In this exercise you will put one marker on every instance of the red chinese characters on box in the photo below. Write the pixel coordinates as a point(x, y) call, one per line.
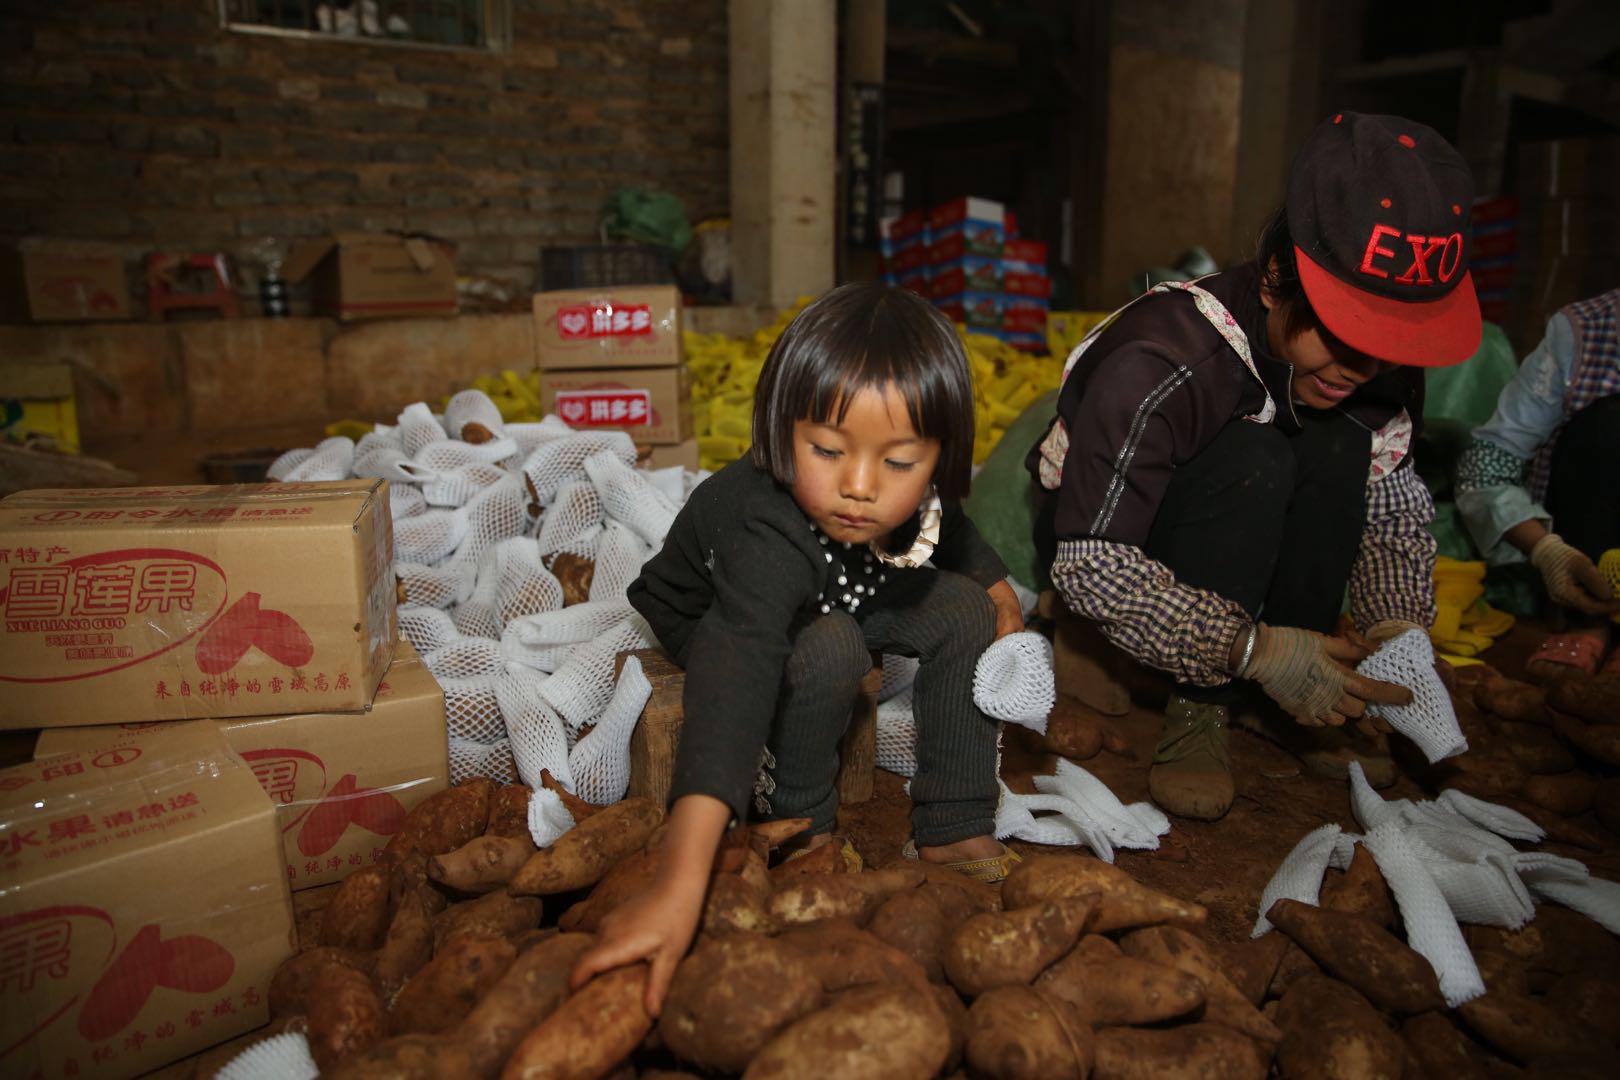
point(605, 408)
point(604, 320)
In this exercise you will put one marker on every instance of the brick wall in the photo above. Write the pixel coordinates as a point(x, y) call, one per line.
point(143, 123)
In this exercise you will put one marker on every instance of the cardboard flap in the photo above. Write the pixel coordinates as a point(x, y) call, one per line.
point(305, 257)
point(421, 252)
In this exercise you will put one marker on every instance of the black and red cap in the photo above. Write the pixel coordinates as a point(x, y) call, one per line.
point(1378, 208)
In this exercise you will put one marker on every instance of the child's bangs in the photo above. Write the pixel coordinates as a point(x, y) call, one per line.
point(880, 353)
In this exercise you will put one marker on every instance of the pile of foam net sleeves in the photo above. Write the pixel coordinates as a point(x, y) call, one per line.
point(514, 545)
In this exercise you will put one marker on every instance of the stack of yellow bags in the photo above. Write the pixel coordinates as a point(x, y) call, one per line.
point(1464, 625)
point(1609, 567)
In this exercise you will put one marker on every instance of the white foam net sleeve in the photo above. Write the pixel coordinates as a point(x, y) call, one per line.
point(539, 740)
point(562, 461)
point(287, 462)
point(494, 514)
point(330, 461)
point(459, 486)
point(548, 817)
point(469, 759)
point(472, 407)
point(434, 586)
point(405, 501)
point(570, 625)
point(387, 463)
point(1013, 680)
point(629, 498)
point(1299, 875)
point(620, 555)
point(670, 483)
point(426, 628)
point(1596, 898)
point(573, 522)
point(419, 428)
point(468, 658)
point(1431, 929)
point(280, 1057)
point(580, 687)
point(471, 710)
point(429, 536)
point(897, 735)
point(1430, 720)
point(453, 454)
point(523, 584)
point(1080, 809)
point(528, 436)
point(600, 761)
point(899, 672)
point(380, 437)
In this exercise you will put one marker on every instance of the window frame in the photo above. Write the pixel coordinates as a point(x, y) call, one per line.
point(497, 31)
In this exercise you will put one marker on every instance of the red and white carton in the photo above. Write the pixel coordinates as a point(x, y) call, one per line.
point(612, 326)
point(341, 783)
point(143, 911)
point(653, 404)
point(127, 604)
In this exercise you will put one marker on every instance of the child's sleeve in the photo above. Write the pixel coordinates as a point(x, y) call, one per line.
point(964, 550)
point(735, 661)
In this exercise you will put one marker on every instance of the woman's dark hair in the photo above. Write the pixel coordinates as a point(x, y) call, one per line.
point(1279, 275)
point(860, 337)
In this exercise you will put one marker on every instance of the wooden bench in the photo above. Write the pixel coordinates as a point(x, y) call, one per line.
point(658, 732)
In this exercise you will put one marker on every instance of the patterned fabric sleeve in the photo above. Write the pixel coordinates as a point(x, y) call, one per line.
point(1393, 576)
point(1139, 605)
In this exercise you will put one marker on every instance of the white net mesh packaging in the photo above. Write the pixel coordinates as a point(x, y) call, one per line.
point(471, 711)
point(580, 687)
point(573, 522)
point(459, 486)
point(280, 1057)
point(472, 407)
point(539, 741)
point(600, 761)
point(287, 462)
point(562, 461)
point(1430, 720)
point(628, 497)
point(468, 658)
point(434, 586)
point(494, 760)
point(620, 555)
point(1013, 681)
point(330, 461)
point(897, 735)
point(405, 501)
point(429, 536)
point(426, 628)
point(419, 428)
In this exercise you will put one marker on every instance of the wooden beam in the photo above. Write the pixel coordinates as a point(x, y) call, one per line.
point(783, 148)
point(1595, 95)
point(1573, 36)
point(1088, 148)
point(1399, 66)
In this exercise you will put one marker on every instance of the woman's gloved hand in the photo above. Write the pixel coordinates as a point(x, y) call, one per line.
point(1309, 675)
point(1572, 579)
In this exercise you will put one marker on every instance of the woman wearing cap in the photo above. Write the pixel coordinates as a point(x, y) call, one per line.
point(1230, 453)
point(1547, 455)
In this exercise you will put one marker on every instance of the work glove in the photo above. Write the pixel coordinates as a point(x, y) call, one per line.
point(1571, 578)
point(1308, 675)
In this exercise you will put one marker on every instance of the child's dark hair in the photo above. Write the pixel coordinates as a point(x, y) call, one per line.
point(1279, 275)
point(858, 337)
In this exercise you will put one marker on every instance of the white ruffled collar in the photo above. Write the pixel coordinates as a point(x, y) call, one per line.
point(922, 548)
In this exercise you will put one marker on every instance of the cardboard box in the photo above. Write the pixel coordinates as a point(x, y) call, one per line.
point(144, 910)
point(653, 404)
point(177, 603)
point(341, 783)
point(977, 310)
point(1028, 256)
point(685, 454)
point(36, 406)
point(971, 273)
point(48, 280)
point(611, 326)
point(358, 275)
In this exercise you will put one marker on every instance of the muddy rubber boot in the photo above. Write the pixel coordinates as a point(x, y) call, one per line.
point(1190, 777)
point(1322, 751)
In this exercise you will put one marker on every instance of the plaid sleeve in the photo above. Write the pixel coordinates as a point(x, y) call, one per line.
point(1139, 605)
point(1393, 576)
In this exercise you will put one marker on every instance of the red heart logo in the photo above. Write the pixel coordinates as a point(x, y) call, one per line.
point(573, 323)
point(194, 964)
point(346, 804)
point(572, 411)
point(189, 962)
point(378, 812)
point(245, 625)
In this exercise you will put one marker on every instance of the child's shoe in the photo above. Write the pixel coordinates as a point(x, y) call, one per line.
point(989, 871)
point(1190, 776)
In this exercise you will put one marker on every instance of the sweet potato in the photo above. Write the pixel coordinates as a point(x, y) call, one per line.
point(913, 922)
point(409, 944)
point(1330, 1032)
point(1012, 947)
point(345, 1015)
point(748, 864)
point(1567, 793)
point(842, 956)
point(357, 915)
point(1572, 943)
point(1509, 699)
point(1122, 902)
point(1020, 1033)
point(631, 877)
point(1524, 1029)
point(1360, 890)
point(509, 811)
point(482, 863)
point(445, 821)
point(1486, 772)
point(577, 808)
point(496, 914)
point(955, 1014)
point(733, 906)
point(444, 991)
point(1502, 972)
point(1188, 1052)
point(1439, 1049)
point(583, 854)
point(1592, 1000)
point(850, 896)
point(1595, 700)
point(530, 990)
point(766, 836)
point(1294, 965)
point(1606, 802)
point(1107, 988)
point(575, 574)
point(1224, 1004)
point(877, 1033)
point(589, 1033)
point(731, 996)
point(291, 985)
point(1537, 749)
point(407, 875)
point(1600, 742)
point(1363, 954)
point(406, 1057)
point(826, 859)
point(1252, 963)
point(1073, 735)
point(1559, 829)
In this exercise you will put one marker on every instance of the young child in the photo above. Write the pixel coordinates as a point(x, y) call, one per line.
point(786, 569)
point(1230, 453)
point(1546, 454)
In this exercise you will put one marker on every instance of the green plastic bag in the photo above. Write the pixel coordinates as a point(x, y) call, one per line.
point(1002, 504)
point(647, 217)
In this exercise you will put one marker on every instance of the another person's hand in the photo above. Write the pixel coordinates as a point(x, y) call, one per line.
point(1310, 676)
point(656, 926)
point(1009, 612)
point(1572, 579)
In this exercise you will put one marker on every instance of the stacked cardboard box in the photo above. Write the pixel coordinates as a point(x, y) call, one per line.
point(611, 359)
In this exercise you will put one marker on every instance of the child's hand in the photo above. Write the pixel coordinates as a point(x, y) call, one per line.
point(1009, 612)
point(657, 926)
